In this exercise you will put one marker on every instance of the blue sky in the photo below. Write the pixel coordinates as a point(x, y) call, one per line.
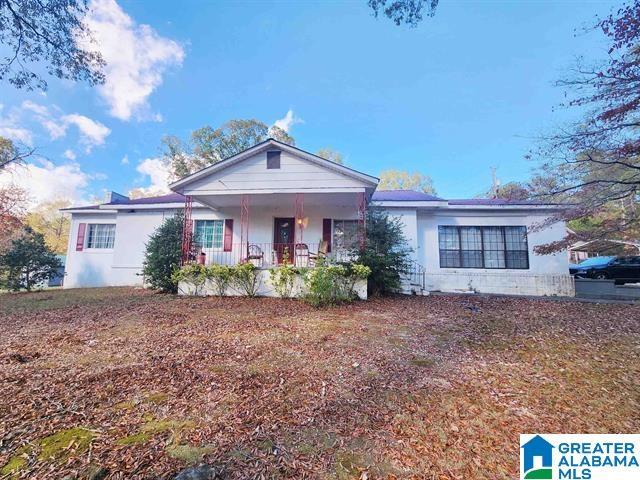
point(464, 91)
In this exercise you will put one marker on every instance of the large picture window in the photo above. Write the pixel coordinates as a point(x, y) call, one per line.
point(101, 235)
point(209, 233)
point(345, 234)
point(483, 247)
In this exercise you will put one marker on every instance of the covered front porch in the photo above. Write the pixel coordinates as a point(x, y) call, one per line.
point(271, 228)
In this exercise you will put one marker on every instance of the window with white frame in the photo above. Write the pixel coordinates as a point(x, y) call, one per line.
point(209, 233)
point(483, 247)
point(345, 234)
point(101, 235)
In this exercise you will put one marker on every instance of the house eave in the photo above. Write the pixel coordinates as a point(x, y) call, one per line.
point(445, 205)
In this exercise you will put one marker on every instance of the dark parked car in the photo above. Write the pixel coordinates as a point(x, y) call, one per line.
point(620, 269)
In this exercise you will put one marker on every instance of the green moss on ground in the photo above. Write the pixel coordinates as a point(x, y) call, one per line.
point(135, 439)
point(16, 463)
point(61, 445)
point(152, 427)
point(157, 397)
point(188, 453)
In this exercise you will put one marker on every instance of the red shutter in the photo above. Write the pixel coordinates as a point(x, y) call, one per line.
point(326, 232)
point(228, 234)
point(80, 241)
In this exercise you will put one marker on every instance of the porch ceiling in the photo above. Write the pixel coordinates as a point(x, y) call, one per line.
point(348, 199)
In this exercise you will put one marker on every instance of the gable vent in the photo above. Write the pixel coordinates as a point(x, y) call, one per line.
point(273, 160)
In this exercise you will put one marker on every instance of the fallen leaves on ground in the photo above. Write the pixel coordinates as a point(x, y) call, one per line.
point(138, 385)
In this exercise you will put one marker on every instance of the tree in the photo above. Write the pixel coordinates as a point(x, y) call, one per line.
point(28, 262)
point(10, 153)
point(163, 254)
point(48, 220)
point(386, 252)
point(594, 163)
point(208, 145)
point(511, 191)
point(402, 180)
point(52, 31)
point(13, 201)
point(330, 154)
point(409, 12)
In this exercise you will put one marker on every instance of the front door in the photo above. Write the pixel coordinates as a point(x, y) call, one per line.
point(283, 238)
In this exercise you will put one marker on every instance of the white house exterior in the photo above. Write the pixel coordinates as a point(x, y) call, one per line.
point(273, 202)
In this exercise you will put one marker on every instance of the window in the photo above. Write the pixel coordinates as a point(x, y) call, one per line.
point(273, 160)
point(483, 247)
point(209, 233)
point(101, 235)
point(345, 234)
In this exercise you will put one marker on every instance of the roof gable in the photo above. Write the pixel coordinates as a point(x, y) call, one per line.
point(248, 171)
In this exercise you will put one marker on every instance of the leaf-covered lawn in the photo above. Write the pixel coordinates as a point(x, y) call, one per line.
point(140, 385)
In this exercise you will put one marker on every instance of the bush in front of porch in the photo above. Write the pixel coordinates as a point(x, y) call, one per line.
point(386, 252)
point(163, 254)
point(333, 284)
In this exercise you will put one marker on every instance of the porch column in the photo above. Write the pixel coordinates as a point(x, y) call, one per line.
point(244, 227)
point(362, 217)
point(187, 231)
point(299, 209)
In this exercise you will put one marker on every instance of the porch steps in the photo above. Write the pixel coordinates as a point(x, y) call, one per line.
point(414, 280)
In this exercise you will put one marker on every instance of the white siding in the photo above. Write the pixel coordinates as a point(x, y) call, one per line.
point(122, 265)
point(294, 174)
point(428, 251)
point(547, 275)
point(89, 267)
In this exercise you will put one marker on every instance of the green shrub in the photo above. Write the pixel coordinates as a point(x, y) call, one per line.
point(163, 254)
point(333, 284)
point(220, 276)
point(386, 253)
point(28, 262)
point(283, 278)
point(246, 279)
point(192, 273)
point(355, 272)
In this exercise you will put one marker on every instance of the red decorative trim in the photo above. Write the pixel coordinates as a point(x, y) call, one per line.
point(228, 235)
point(326, 233)
point(187, 231)
point(82, 227)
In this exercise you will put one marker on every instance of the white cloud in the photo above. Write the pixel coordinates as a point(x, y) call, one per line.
point(159, 175)
point(125, 160)
point(35, 108)
point(46, 181)
point(92, 133)
point(288, 121)
point(56, 128)
point(10, 128)
point(17, 134)
point(70, 154)
point(136, 57)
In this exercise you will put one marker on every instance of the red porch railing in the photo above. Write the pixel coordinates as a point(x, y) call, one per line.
point(266, 255)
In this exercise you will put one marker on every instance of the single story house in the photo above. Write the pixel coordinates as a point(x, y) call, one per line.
point(274, 202)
